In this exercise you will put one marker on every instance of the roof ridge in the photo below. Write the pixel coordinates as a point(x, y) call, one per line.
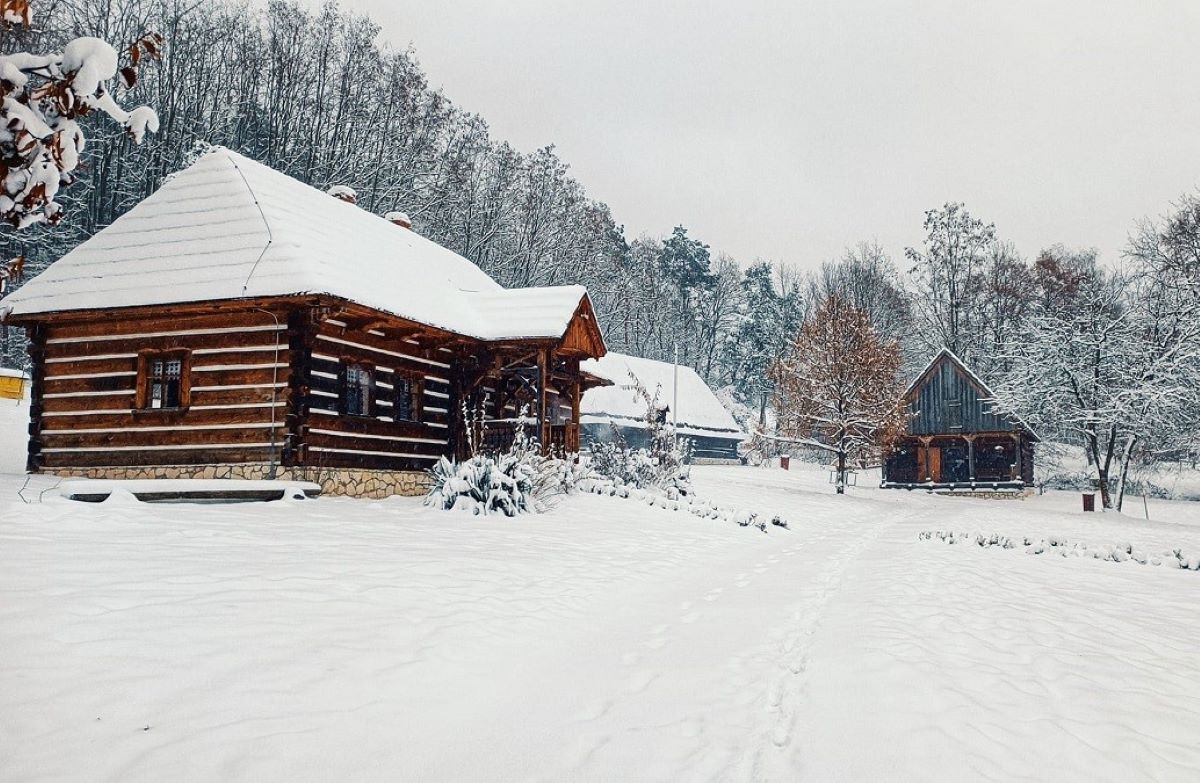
point(263, 215)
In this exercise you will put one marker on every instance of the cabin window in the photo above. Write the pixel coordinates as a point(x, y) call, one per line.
point(406, 402)
point(357, 389)
point(163, 381)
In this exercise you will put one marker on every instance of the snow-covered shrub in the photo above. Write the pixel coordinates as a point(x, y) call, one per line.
point(663, 463)
point(513, 482)
point(664, 467)
point(673, 501)
point(1059, 545)
point(482, 485)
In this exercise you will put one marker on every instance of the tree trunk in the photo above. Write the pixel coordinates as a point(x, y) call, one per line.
point(1103, 469)
point(1102, 465)
point(1124, 469)
point(841, 471)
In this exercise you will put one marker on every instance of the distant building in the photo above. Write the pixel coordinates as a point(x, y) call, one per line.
point(954, 439)
point(617, 411)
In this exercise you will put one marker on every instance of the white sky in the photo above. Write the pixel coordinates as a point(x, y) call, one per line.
point(787, 131)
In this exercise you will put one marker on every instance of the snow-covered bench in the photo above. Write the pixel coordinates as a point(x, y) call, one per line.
point(189, 490)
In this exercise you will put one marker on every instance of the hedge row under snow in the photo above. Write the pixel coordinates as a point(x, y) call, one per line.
point(1114, 553)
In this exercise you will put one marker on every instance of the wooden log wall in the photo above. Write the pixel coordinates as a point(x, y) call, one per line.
point(329, 438)
point(85, 412)
point(266, 386)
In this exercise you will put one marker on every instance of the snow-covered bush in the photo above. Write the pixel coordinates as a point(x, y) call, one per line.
point(482, 485)
point(673, 501)
point(663, 463)
point(1059, 545)
point(516, 481)
point(664, 468)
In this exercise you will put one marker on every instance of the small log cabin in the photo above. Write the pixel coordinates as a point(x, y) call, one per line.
point(239, 323)
point(954, 440)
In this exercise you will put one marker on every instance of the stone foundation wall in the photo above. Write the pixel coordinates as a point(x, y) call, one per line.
point(354, 483)
point(988, 494)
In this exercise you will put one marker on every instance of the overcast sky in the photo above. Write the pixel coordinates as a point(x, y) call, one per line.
point(788, 130)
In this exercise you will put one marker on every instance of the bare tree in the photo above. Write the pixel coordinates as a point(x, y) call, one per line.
point(947, 281)
point(865, 278)
point(1118, 367)
point(838, 388)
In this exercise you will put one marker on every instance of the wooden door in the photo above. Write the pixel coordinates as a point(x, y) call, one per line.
point(935, 463)
point(922, 451)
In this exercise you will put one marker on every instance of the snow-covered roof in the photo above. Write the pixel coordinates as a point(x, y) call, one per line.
point(6, 372)
point(228, 227)
point(509, 311)
point(699, 411)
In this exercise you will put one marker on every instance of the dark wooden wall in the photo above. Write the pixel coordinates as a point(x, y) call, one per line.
point(329, 438)
point(83, 408)
point(932, 409)
point(266, 385)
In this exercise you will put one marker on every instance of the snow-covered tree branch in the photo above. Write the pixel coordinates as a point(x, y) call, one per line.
point(42, 98)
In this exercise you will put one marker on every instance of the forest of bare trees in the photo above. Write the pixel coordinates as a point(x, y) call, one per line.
point(318, 95)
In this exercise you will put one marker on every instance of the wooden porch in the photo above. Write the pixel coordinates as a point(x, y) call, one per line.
point(995, 460)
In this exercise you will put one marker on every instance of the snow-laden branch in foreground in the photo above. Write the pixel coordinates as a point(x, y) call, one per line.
point(42, 98)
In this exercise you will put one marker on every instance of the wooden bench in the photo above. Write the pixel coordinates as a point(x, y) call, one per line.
point(189, 490)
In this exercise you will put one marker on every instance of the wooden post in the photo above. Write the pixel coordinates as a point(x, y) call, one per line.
point(542, 396)
point(37, 376)
point(300, 335)
point(970, 456)
point(458, 444)
point(1016, 469)
point(573, 443)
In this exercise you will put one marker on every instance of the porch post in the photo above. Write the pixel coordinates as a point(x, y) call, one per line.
point(925, 462)
point(543, 381)
point(970, 456)
point(573, 442)
point(1016, 469)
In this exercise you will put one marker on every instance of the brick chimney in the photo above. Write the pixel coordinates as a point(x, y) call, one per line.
point(400, 219)
point(343, 193)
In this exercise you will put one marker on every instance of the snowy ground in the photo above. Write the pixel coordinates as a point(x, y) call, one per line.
point(375, 640)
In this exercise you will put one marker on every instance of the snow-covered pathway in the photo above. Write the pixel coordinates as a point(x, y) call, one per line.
point(342, 639)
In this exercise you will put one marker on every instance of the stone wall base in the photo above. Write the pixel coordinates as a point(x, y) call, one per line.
point(333, 481)
point(987, 494)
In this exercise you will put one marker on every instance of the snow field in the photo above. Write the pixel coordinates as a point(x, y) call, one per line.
point(605, 640)
point(980, 664)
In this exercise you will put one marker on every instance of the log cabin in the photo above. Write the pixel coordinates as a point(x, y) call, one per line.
point(239, 323)
point(955, 440)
